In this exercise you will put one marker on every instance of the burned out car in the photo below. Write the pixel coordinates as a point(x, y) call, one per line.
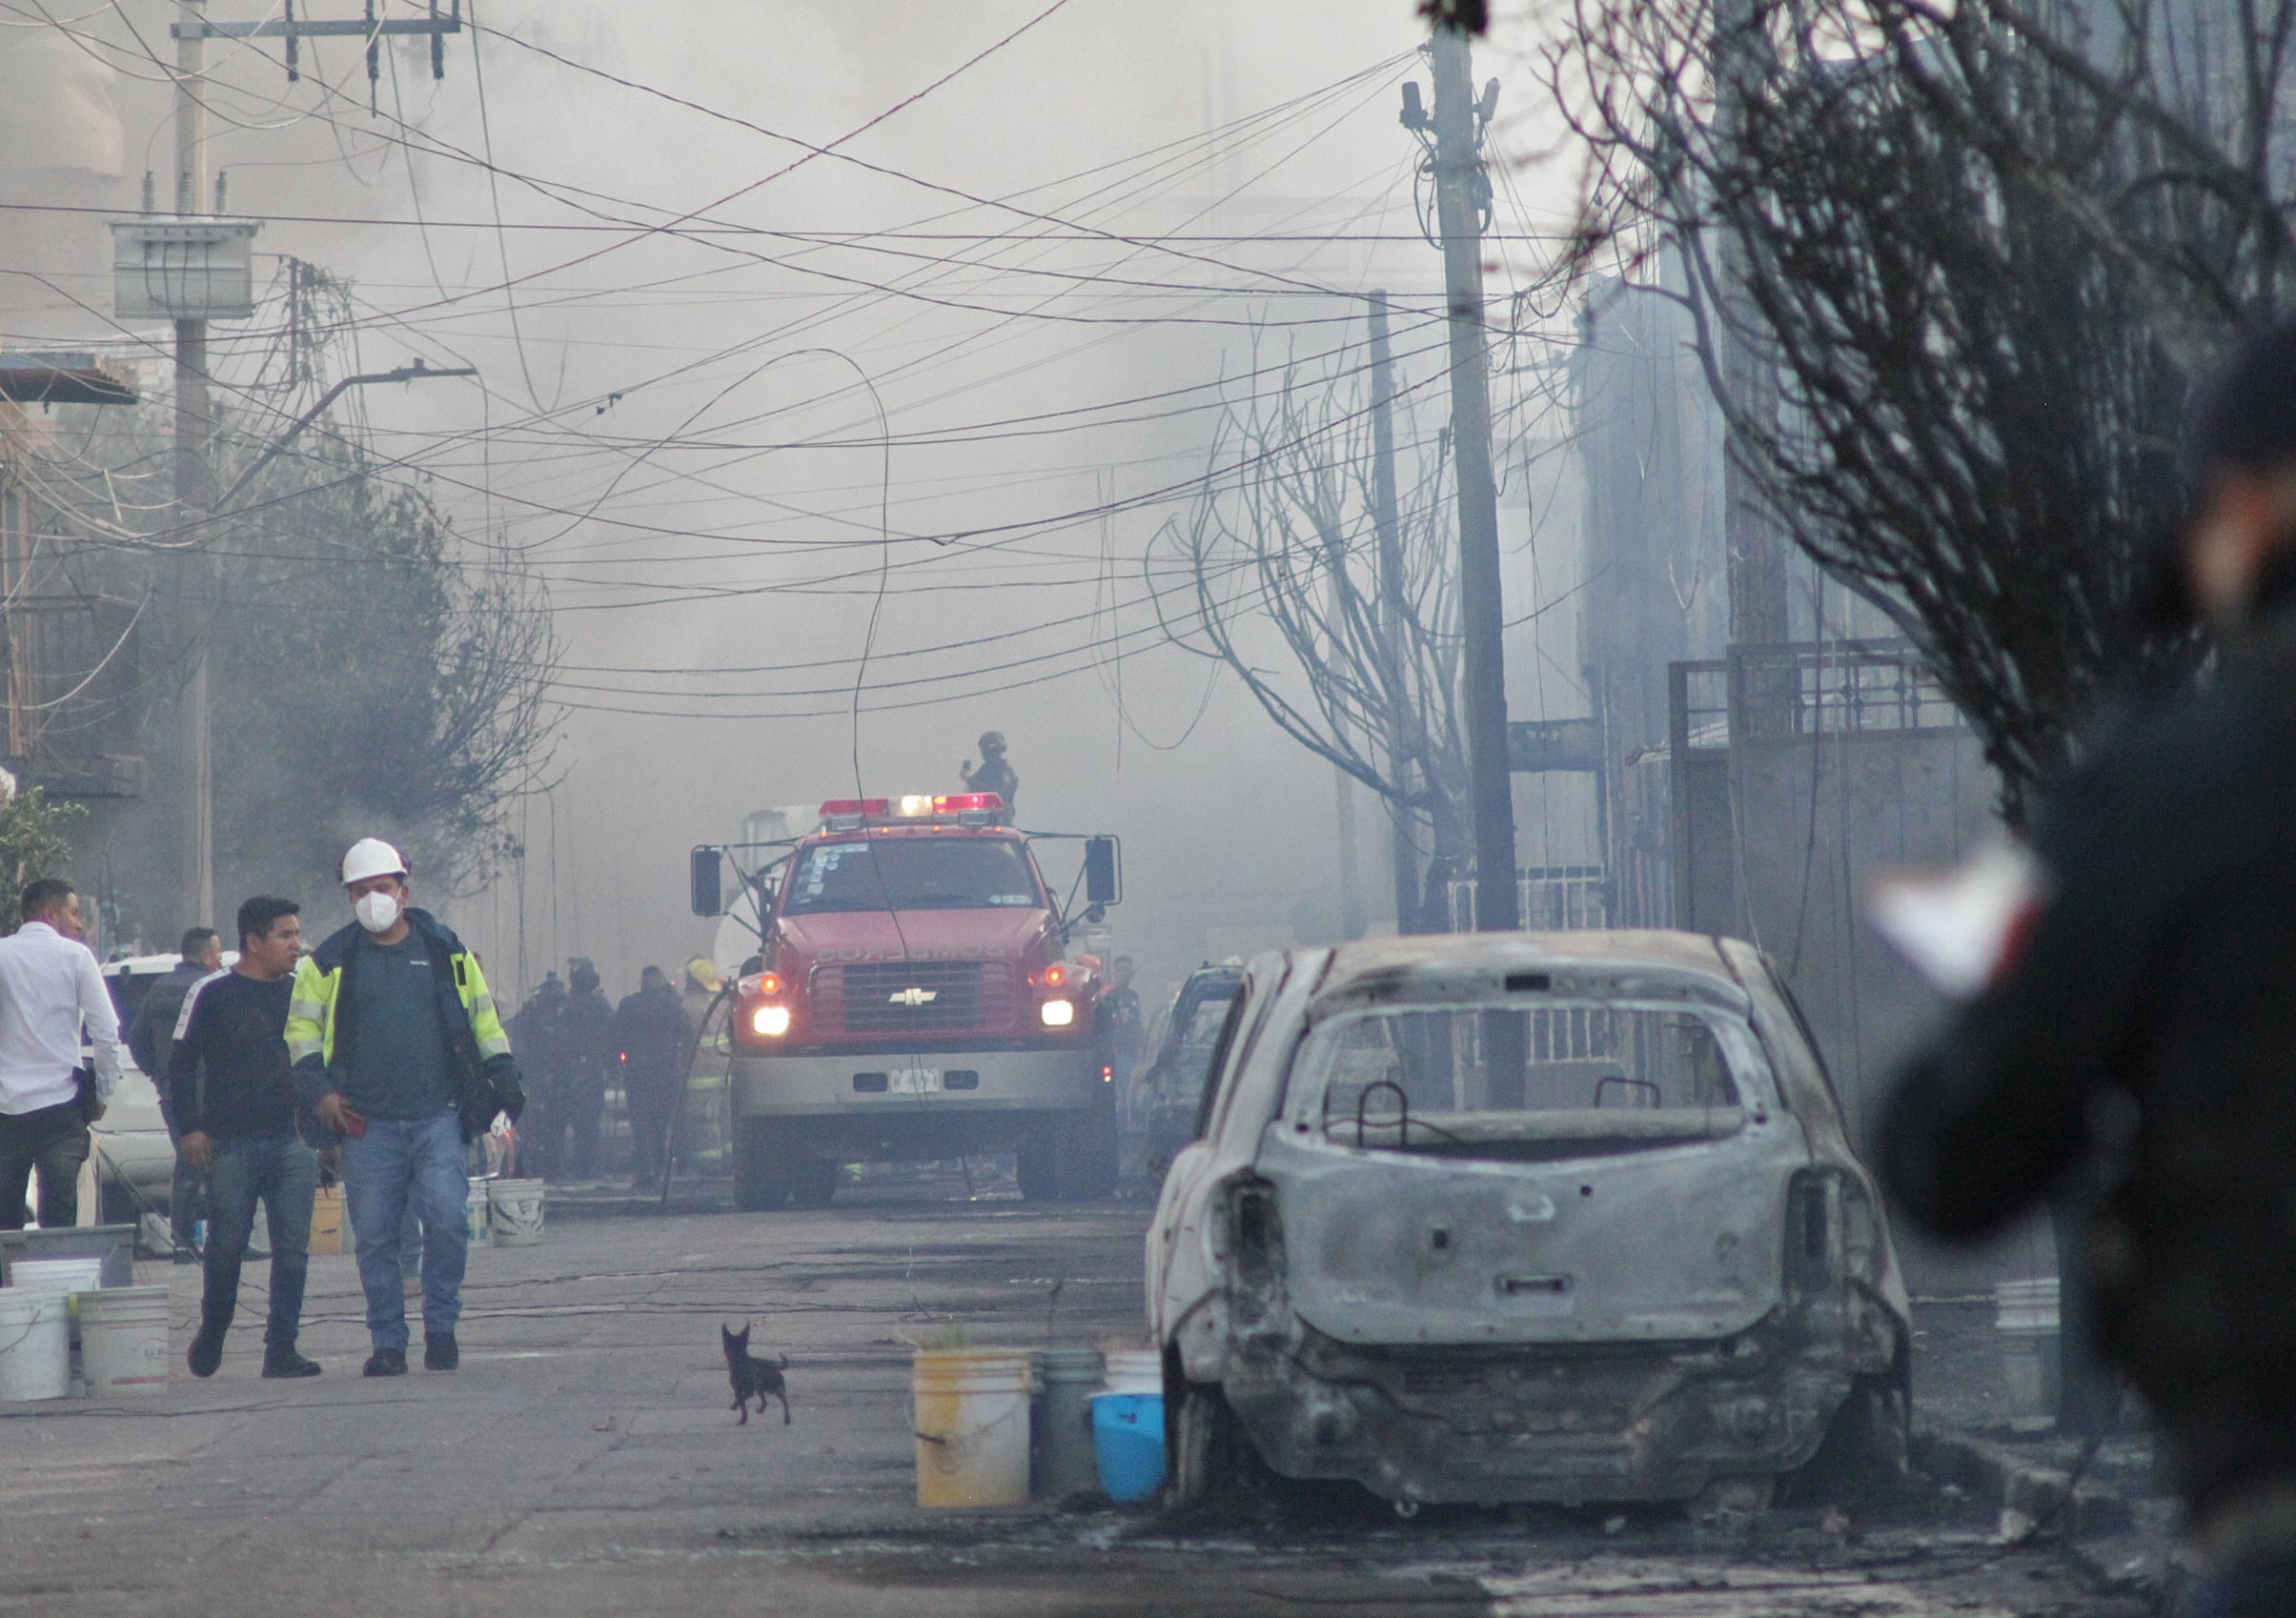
point(1564, 1216)
point(1169, 1091)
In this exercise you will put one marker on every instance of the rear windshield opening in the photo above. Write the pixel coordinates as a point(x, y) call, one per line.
point(1562, 1080)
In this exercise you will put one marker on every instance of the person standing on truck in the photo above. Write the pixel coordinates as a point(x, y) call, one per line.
point(2138, 1029)
point(398, 1048)
point(650, 1032)
point(149, 1037)
point(50, 991)
point(993, 774)
point(233, 1097)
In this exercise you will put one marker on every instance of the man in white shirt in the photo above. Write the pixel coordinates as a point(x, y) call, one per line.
point(49, 989)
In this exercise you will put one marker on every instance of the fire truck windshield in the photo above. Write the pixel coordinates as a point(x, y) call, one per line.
point(928, 872)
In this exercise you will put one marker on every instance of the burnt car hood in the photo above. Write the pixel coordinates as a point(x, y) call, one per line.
point(1673, 1243)
point(837, 938)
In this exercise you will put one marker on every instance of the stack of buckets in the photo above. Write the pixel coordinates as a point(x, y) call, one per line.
point(991, 1422)
point(121, 1331)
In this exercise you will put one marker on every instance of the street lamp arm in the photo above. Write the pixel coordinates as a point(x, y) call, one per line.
point(415, 372)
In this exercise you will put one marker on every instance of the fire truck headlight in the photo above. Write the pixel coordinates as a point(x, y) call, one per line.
point(770, 1021)
point(1057, 1012)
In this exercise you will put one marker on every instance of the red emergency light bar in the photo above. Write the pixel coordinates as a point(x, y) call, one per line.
point(917, 806)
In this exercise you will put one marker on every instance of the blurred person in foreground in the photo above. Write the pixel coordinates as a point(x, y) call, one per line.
point(233, 1100)
point(2136, 1041)
point(398, 1049)
point(50, 991)
point(650, 1034)
point(149, 1039)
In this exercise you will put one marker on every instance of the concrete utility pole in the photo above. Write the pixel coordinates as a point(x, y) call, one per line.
point(1387, 529)
point(197, 814)
point(1757, 549)
point(1461, 193)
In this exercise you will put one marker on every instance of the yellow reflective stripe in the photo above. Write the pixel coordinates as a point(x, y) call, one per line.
point(481, 1005)
point(310, 1012)
point(493, 1047)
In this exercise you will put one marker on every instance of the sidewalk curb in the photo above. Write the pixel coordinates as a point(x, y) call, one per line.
point(1999, 1477)
point(2093, 1521)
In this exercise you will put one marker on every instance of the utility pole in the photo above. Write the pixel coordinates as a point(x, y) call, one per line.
point(192, 427)
point(1387, 530)
point(1756, 549)
point(1462, 192)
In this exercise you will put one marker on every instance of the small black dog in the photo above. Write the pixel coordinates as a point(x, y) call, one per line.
point(753, 1378)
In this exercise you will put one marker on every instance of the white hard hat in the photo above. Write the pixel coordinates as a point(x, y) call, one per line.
point(372, 856)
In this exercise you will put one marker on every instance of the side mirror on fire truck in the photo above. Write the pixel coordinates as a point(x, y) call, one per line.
point(705, 878)
point(1102, 883)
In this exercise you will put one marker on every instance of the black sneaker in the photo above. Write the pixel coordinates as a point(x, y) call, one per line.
point(440, 1352)
point(281, 1360)
point(385, 1361)
point(207, 1352)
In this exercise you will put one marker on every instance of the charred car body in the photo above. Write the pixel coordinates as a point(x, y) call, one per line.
point(1168, 1093)
point(1531, 1217)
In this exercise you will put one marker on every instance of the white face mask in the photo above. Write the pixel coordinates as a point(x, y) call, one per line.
point(377, 911)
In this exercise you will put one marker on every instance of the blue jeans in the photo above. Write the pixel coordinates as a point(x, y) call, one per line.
point(285, 1174)
point(400, 1162)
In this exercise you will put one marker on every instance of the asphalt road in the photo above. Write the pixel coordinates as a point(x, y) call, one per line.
point(583, 1462)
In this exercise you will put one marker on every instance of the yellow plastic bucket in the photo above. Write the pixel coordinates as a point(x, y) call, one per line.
point(972, 1426)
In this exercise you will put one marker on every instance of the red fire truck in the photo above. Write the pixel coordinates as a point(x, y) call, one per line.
point(916, 1000)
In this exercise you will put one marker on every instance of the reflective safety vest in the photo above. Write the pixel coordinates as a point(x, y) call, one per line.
point(314, 1012)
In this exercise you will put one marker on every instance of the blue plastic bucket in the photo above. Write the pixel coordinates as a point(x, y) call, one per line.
point(1128, 1444)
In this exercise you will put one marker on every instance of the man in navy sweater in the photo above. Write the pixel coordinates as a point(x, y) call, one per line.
point(233, 1100)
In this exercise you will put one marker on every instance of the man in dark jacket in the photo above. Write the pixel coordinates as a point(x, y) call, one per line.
point(650, 1033)
point(2139, 1032)
point(234, 1101)
point(586, 1055)
point(534, 1037)
point(148, 1039)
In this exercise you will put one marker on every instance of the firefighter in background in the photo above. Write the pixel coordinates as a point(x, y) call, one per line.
point(535, 1036)
point(704, 1128)
point(994, 773)
point(650, 1033)
point(586, 1057)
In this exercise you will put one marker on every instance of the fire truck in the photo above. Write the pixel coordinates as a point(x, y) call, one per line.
point(915, 999)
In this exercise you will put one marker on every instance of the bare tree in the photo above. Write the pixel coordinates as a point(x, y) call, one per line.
point(1986, 246)
point(1347, 637)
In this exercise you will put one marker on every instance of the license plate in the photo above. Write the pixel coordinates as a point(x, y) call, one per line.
point(915, 1081)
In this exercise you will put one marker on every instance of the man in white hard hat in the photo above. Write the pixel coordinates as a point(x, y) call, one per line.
point(396, 1043)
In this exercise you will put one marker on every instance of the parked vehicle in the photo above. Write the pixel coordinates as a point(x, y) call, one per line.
point(134, 1159)
point(1169, 1092)
point(1560, 1217)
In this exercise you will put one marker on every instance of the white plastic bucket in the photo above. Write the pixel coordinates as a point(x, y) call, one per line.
point(2026, 1315)
point(1135, 1370)
point(35, 1344)
point(474, 1213)
point(56, 1275)
point(516, 1210)
point(972, 1426)
point(124, 1340)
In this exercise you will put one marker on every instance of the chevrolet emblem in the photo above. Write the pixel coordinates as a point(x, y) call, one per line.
point(915, 996)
